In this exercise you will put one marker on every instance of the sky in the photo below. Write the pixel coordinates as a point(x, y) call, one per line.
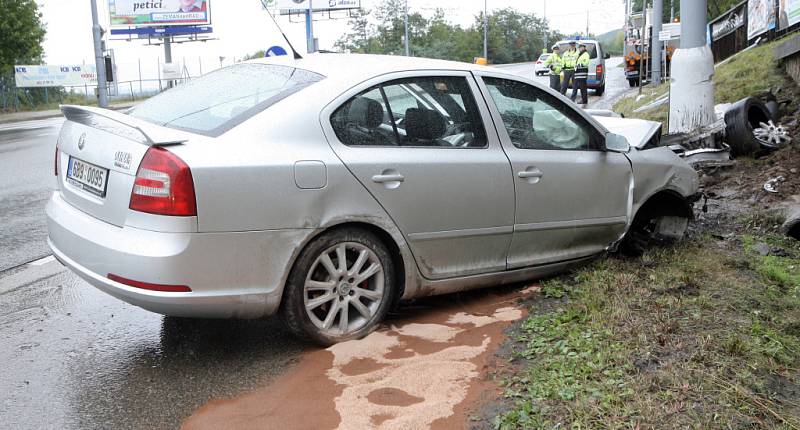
point(242, 27)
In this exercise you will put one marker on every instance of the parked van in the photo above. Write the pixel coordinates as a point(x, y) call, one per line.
point(597, 65)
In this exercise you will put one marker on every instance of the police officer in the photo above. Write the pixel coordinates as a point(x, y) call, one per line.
point(570, 58)
point(555, 63)
point(581, 75)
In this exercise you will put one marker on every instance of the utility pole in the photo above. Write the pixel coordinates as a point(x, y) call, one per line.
point(587, 23)
point(100, 61)
point(168, 55)
point(486, 30)
point(546, 28)
point(691, 86)
point(310, 29)
point(655, 46)
point(408, 49)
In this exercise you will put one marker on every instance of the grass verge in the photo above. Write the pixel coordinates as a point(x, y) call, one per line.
point(703, 335)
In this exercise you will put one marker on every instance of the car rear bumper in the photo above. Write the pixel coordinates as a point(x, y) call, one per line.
point(231, 275)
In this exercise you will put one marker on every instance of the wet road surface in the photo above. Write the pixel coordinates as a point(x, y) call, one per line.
point(75, 358)
point(27, 152)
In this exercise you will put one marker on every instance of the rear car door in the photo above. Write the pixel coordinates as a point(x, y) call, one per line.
point(573, 198)
point(417, 141)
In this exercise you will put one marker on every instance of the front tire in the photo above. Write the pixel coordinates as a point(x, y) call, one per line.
point(340, 288)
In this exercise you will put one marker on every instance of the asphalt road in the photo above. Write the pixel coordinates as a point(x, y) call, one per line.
point(76, 358)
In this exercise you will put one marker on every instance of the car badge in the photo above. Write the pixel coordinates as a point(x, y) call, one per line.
point(82, 141)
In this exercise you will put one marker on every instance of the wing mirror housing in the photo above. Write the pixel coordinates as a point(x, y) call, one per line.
point(607, 56)
point(617, 143)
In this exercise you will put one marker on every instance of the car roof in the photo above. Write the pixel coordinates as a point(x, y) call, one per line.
point(355, 66)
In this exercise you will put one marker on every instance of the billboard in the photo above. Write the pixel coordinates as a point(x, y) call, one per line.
point(728, 23)
point(150, 13)
point(55, 76)
point(789, 13)
point(318, 5)
point(760, 17)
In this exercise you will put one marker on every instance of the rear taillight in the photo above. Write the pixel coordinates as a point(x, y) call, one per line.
point(599, 69)
point(163, 185)
point(55, 162)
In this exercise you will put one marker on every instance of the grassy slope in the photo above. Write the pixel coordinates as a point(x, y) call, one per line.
point(748, 74)
point(703, 335)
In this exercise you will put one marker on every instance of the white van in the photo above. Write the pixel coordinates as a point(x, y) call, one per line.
point(597, 64)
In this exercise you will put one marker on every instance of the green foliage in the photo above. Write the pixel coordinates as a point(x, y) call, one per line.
point(613, 41)
point(715, 7)
point(513, 36)
point(21, 34)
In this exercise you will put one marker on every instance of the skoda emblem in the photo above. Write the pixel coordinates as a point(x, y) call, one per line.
point(82, 141)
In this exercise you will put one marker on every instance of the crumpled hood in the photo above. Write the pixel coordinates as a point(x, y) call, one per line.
point(637, 131)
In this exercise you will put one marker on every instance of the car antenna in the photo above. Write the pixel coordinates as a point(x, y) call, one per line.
point(294, 51)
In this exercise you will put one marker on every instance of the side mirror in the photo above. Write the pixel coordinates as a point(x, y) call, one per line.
point(607, 56)
point(617, 143)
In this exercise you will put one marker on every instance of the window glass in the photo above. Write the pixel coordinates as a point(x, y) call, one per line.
point(218, 101)
point(425, 112)
point(536, 120)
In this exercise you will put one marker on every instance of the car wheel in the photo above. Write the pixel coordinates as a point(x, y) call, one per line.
point(633, 83)
point(340, 288)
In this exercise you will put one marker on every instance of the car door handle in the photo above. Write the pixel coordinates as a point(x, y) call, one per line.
point(527, 174)
point(382, 179)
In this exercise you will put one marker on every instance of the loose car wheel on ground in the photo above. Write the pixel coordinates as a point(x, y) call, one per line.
point(340, 288)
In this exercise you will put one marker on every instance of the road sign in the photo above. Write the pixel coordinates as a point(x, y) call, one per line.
point(665, 36)
point(275, 51)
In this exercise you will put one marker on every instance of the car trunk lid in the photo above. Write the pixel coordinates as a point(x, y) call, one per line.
point(99, 153)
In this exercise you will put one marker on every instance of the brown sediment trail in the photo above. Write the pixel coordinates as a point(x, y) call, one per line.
point(428, 369)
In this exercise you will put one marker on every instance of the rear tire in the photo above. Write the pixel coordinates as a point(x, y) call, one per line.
point(633, 83)
point(328, 302)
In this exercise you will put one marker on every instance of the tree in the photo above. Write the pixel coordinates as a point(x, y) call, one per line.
point(21, 34)
point(715, 7)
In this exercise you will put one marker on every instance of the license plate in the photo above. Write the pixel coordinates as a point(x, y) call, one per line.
point(87, 176)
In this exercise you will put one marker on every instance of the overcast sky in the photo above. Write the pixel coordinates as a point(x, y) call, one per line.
point(242, 27)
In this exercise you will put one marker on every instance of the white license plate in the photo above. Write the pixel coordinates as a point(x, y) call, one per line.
point(87, 176)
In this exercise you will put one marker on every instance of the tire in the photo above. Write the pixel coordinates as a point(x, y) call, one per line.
point(740, 121)
point(599, 91)
point(633, 83)
point(316, 292)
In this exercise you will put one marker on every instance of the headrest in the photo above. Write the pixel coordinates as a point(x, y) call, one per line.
point(366, 112)
point(424, 124)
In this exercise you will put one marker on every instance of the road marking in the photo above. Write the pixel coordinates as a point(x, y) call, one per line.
point(42, 261)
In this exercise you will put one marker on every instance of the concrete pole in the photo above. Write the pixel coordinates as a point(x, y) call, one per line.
point(691, 84)
point(405, 24)
point(168, 55)
point(655, 46)
point(100, 61)
point(486, 29)
point(311, 46)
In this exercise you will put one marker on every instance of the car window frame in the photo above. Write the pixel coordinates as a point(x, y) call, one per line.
point(492, 138)
point(596, 131)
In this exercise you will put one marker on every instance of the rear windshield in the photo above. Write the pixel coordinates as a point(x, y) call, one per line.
point(591, 48)
point(220, 100)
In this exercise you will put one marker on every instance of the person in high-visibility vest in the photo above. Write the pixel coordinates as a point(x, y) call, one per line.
point(570, 58)
point(581, 75)
point(555, 63)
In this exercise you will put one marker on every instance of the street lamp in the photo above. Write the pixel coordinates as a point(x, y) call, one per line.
point(408, 50)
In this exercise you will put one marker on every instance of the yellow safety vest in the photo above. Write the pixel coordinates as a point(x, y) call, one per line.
point(583, 60)
point(555, 62)
point(570, 59)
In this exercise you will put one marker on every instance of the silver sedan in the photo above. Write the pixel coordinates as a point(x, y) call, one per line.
point(329, 188)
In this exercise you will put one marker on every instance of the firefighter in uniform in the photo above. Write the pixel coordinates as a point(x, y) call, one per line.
point(581, 75)
point(570, 58)
point(555, 63)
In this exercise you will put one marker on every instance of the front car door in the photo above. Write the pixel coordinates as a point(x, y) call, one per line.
point(573, 197)
point(417, 142)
